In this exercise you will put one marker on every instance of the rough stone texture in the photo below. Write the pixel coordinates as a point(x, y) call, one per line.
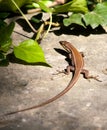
point(84, 107)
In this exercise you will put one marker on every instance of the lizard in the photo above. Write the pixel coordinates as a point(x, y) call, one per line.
point(77, 63)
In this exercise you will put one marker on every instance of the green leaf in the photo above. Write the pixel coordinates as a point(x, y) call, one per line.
point(3, 60)
point(72, 6)
point(101, 10)
point(79, 6)
point(37, 18)
point(5, 40)
point(2, 57)
point(29, 51)
point(6, 45)
point(44, 7)
point(7, 5)
point(92, 19)
point(97, 17)
point(74, 18)
point(45, 2)
point(2, 24)
point(3, 15)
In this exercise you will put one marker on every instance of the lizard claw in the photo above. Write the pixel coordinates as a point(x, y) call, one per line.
point(59, 72)
point(96, 78)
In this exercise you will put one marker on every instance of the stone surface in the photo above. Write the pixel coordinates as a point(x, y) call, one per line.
point(84, 107)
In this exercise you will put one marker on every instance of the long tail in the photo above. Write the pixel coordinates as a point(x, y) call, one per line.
point(70, 85)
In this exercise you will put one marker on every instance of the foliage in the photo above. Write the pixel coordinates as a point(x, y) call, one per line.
point(29, 51)
point(7, 5)
point(77, 6)
point(81, 12)
point(93, 18)
point(5, 41)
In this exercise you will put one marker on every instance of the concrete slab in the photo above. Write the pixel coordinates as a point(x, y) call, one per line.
point(84, 107)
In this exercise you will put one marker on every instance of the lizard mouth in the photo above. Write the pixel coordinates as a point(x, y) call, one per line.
point(63, 44)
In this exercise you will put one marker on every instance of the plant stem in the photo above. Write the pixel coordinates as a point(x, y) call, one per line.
point(49, 25)
point(24, 16)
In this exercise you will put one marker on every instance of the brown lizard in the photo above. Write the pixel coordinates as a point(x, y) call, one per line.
point(77, 66)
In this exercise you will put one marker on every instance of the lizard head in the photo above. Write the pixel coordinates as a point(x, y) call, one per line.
point(66, 45)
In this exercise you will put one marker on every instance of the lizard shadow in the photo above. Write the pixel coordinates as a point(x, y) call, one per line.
point(64, 53)
point(67, 59)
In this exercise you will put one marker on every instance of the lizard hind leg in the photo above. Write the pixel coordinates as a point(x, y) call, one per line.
point(87, 76)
